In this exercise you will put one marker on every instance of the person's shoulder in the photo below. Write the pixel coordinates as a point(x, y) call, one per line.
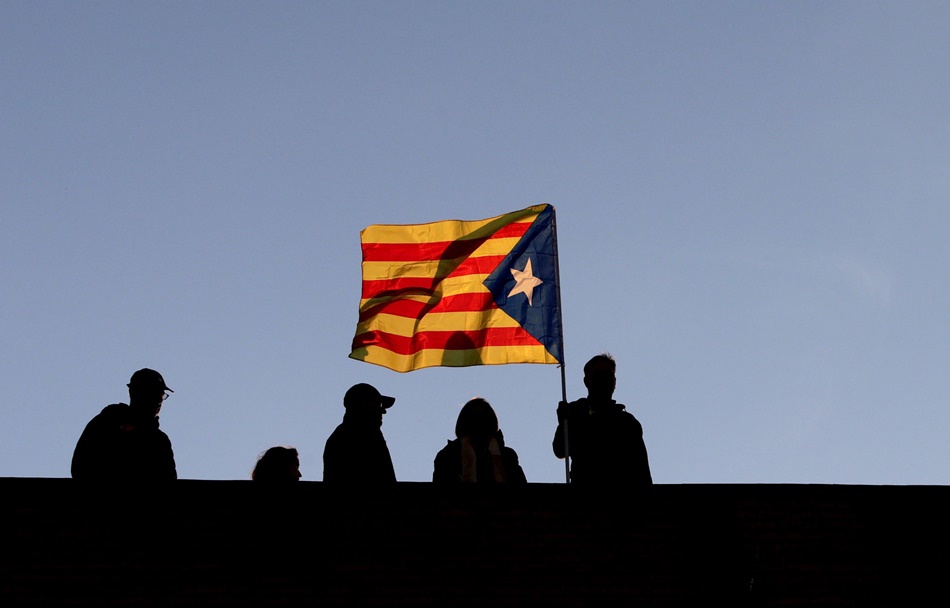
point(347, 437)
point(578, 406)
point(452, 446)
point(628, 418)
point(515, 472)
point(337, 433)
point(449, 444)
point(162, 436)
point(111, 414)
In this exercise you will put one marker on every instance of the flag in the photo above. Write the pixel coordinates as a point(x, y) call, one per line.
point(457, 293)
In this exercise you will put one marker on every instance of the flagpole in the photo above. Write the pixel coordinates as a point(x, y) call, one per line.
point(560, 327)
point(567, 456)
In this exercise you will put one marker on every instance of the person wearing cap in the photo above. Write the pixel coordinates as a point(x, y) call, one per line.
point(356, 452)
point(123, 442)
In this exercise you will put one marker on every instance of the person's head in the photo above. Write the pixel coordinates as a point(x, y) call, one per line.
point(147, 390)
point(600, 377)
point(362, 401)
point(476, 420)
point(277, 464)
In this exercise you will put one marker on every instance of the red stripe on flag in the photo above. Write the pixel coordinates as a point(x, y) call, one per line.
point(445, 340)
point(482, 265)
point(413, 309)
point(395, 287)
point(439, 250)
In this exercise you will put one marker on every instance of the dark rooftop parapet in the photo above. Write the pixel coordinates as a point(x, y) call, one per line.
point(238, 543)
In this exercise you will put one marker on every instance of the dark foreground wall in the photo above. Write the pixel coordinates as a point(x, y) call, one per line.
point(235, 543)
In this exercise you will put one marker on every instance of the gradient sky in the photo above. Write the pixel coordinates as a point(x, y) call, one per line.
point(751, 201)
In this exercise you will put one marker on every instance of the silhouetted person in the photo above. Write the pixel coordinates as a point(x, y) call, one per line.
point(277, 464)
point(606, 441)
point(478, 454)
point(123, 442)
point(356, 452)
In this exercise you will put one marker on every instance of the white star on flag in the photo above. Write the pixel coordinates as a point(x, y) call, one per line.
point(525, 281)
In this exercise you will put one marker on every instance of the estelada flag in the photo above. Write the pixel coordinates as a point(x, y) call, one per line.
point(457, 293)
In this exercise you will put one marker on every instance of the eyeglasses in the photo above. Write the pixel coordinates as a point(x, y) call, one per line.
point(165, 396)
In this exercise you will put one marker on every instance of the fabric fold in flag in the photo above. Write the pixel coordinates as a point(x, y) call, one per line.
point(458, 293)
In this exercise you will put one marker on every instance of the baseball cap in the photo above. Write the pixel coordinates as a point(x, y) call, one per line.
point(363, 395)
point(148, 379)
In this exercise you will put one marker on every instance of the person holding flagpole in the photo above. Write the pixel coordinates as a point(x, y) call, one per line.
point(605, 442)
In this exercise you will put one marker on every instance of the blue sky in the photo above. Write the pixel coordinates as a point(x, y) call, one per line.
point(751, 204)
